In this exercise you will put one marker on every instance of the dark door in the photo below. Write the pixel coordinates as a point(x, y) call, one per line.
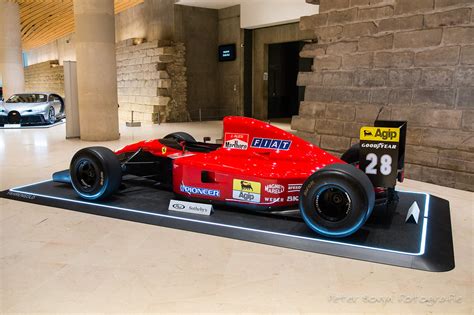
point(283, 67)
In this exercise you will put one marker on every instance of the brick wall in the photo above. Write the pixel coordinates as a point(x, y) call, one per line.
point(45, 77)
point(413, 58)
point(151, 81)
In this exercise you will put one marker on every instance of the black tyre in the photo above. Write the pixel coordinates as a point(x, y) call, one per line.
point(181, 136)
point(337, 200)
point(351, 156)
point(95, 173)
point(51, 115)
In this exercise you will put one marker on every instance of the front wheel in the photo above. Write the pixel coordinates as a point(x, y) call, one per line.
point(95, 173)
point(51, 115)
point(337, 200)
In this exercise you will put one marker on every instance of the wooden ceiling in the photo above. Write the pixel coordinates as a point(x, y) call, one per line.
point(43, 21)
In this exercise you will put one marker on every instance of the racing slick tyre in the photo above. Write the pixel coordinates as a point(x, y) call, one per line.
point(181, 136)
point(337, 200)
point(95, 173)
point(51, 115)
point(351, 156)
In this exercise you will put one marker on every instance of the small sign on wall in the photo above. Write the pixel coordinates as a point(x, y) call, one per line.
point(227, 52)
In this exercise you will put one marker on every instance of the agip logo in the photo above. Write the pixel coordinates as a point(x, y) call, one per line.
point(380, 134)
point(246, 190)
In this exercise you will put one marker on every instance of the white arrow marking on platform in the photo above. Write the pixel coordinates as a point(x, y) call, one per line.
point(414, 212)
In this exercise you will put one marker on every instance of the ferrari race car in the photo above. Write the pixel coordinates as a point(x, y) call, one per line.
point(258, 167)
point(32, 108)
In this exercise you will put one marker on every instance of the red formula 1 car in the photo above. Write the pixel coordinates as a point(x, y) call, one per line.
point(258, 167)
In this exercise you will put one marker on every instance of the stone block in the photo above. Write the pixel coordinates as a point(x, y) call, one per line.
point(449, 3)
point(327, 63)
point(468, 120)
point(338, 78)
point(327, 5)
point(453, 163)
point(465, 98)
point(458, 35)
point(352, 129)
point(371, 43)
point(356, 30)
point(312, 109)
point(303, 123)
point(309, 78)
point(335, 143)
point(353, 96)
point(340, 112)
point(342, 48)
point(444, 56)
point(312, 50)
point(404, 77)
point(423, 117)
point(448, 18)
point(434, 77)
point(329, 127)
point(467, 55)
point(421, 155)
point(418, 39)
point(342, 17)
point(311, 22)
point(400, 97)
point(329, 34)
point(375, 13)
point(164, 83)
point(412, 6)
point(438, 176)
point(368, 113)
point(464, 76)
point(310, 137)
point(414, 135)
point(413, 171)
point(414, 22)
point(370, 78)
point(379, 96)
point(403, 59)
point(445, 139)
point(166, 51)
point(318, 94)
point(357, 61)
point(434, 97)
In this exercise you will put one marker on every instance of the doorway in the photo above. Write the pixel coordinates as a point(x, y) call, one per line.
point(284, 63)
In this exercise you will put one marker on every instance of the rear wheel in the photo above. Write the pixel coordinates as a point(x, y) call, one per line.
point(181, 136)
point(95, 173)
point(337, 200)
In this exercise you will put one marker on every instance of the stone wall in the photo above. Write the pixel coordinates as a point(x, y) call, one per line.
point(414, 59)
point(45, 77)
point(151, 81)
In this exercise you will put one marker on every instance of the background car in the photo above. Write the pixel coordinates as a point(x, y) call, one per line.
point(32, 108)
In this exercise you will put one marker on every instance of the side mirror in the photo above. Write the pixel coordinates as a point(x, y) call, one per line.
point(206, 139)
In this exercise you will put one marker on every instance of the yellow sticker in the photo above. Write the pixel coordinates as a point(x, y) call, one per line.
point(247, 186)
point(163, 150)
point(380, 134)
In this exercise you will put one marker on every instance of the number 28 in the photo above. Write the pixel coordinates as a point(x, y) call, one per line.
point(385, 164)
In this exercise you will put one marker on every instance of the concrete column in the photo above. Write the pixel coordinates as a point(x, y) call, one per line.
point(160, 19)
point(11, 63)
point(96, 69)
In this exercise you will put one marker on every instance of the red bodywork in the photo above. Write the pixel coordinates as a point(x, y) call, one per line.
point(258, 165)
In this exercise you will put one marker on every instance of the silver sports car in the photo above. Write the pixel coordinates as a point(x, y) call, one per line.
point(32, 108)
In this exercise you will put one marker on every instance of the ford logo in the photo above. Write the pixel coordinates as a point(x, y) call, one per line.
point(178, 206)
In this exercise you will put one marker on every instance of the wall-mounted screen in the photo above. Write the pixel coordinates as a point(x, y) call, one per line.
point(227, 52)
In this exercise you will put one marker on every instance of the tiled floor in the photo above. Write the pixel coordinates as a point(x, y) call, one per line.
point(57, 261)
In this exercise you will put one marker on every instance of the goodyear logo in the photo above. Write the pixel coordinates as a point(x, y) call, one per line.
point(246, 190)
point(380, 134)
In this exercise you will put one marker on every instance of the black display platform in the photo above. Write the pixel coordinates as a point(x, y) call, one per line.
point(34, 126)
point(385, 238)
